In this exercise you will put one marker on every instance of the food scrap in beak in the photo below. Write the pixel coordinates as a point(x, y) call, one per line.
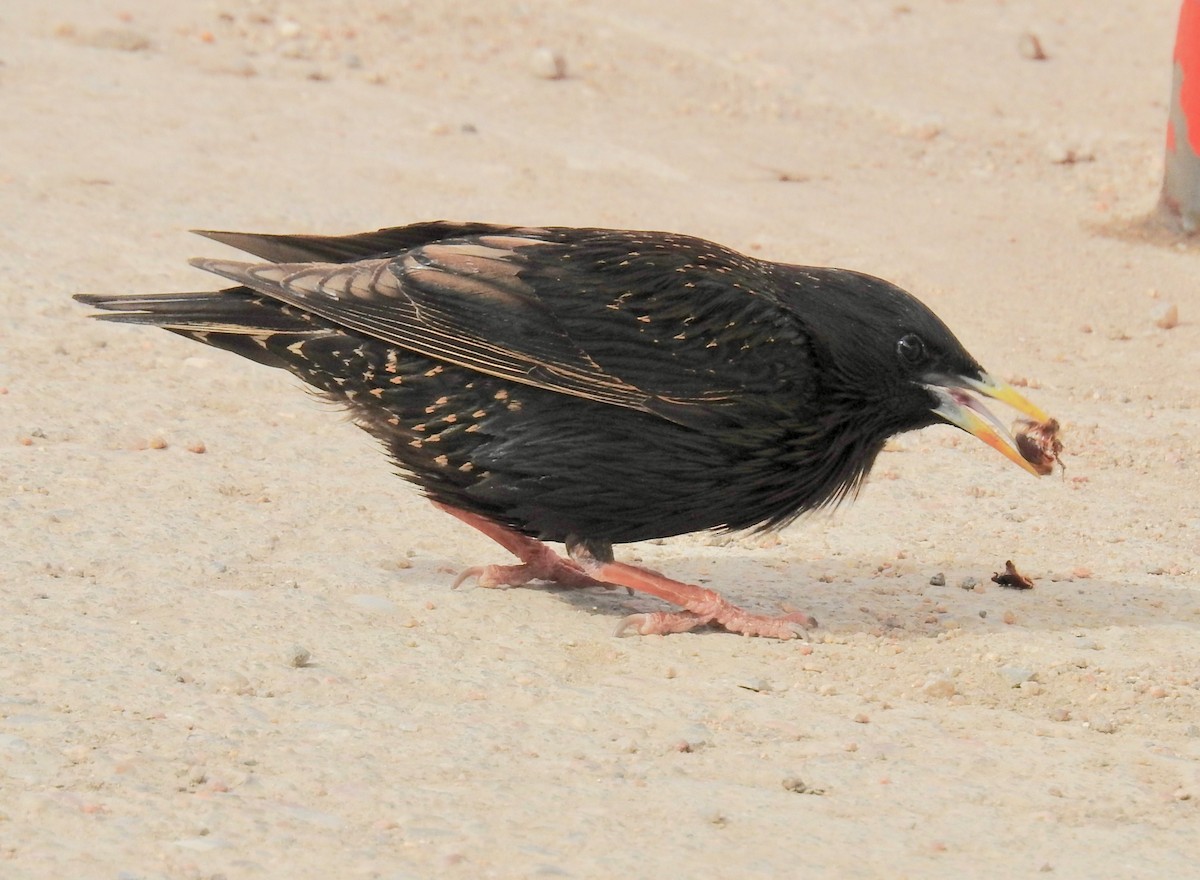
point(1036, 446)
point(1039, 444)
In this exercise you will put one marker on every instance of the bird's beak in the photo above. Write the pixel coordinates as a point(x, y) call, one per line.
point(958, 407)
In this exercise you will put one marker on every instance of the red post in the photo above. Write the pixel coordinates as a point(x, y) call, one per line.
point(1181, 179)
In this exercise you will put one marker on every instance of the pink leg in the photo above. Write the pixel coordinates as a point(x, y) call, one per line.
point(538, 562)
point(701, 606)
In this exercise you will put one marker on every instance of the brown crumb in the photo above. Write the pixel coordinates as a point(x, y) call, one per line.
point(1038, 444)
point(1012, 578)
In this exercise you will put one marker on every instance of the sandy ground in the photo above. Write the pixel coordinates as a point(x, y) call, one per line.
point(155, 601)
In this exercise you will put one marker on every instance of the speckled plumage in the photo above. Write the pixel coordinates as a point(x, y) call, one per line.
point(588, 386)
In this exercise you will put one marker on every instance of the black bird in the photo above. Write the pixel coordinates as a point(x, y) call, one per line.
point(595, 386)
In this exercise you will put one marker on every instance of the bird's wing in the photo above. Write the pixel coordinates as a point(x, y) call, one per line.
point(656, 326)
point(348, 248)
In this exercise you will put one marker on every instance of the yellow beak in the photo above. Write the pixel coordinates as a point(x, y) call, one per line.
point(958, 407)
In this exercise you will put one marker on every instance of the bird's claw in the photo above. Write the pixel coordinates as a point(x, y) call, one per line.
point(549, 567)
point(475, 571)
point(793, 625)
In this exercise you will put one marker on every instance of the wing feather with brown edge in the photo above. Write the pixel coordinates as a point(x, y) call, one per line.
point(515, 304)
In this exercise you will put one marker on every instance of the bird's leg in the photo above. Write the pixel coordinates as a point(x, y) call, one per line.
point(538, 562)
point(701, 606)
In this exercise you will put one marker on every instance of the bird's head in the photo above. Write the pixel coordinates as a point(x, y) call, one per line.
point(895, 360)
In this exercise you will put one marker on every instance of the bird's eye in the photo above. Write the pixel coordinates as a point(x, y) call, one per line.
point(911, 349)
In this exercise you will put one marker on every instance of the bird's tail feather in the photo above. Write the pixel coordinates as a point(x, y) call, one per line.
point(235, 320)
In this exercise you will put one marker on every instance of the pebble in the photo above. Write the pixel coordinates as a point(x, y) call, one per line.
point(202, 844)
point(12, 744)
point(938, 580)
point(545, 63)
point(940, 686)
point(1069, 154)
point(299, 656)
point(373, 603)
point(1016, 675)
point(1165, 315)
point(1102, 725)
point(1030, 47)
point(106, 38)
point(968, 583)
point(1060, 714)
point(692, 738)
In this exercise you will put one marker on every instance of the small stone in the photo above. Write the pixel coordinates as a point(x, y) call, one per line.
point(111, 38)
point(1102, 725)
point(692, 738)
point(157, 443)
point(1010, 618)
point(198, 448)
point(298, 656)
point(938, 580)
point(367, 602)
point(1165, 315)
point(1030, 47)
point(940, 686)
point(862, 718)
point(968, 583)
point(796, 784)
point(1060, 714)
point(547, 64)
point(1069, 154)
point(1016, 675)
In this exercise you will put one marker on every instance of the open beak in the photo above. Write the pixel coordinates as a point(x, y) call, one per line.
point(959, 407)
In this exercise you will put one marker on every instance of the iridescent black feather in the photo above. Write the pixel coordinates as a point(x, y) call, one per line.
point(604, 384)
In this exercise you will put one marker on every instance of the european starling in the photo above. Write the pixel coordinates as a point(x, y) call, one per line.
point(595, 386)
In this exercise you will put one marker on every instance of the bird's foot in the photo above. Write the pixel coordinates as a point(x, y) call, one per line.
point(700, 607)
point(793, 625)
point(542, 565)
point(538, 562)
